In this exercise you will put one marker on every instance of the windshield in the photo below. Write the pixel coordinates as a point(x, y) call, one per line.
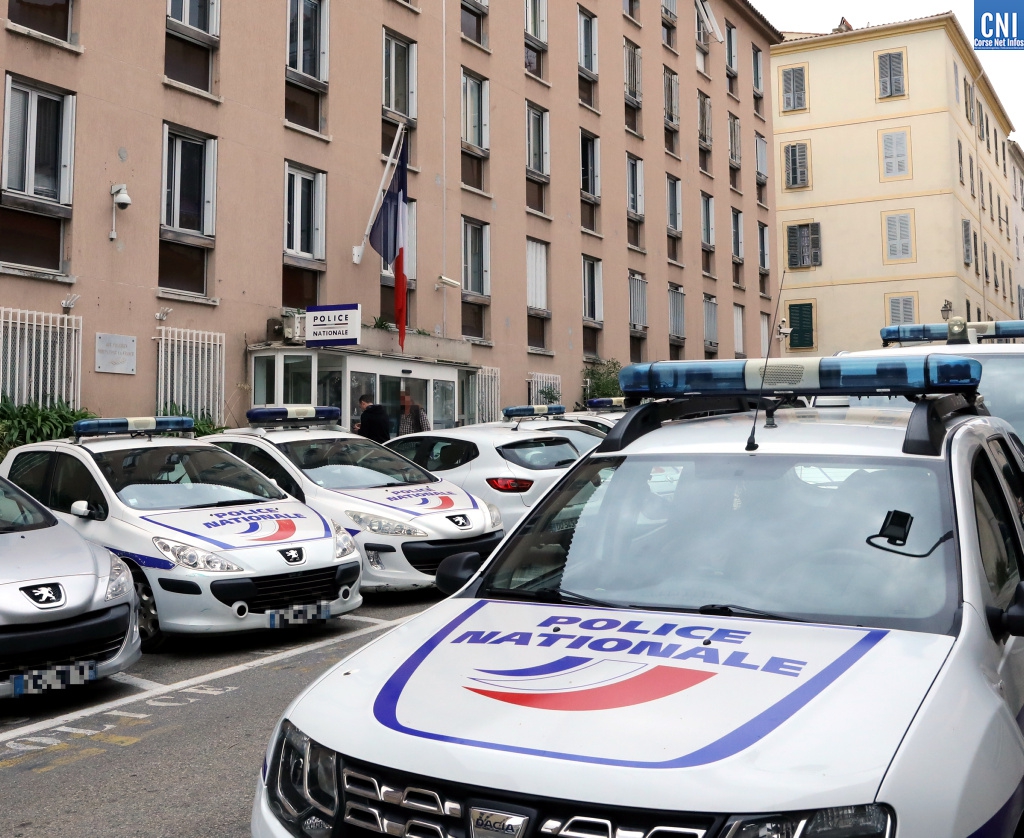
point(781, 534)
point(18, 512)
point(353, 464)
point(540, 453)
point(584, 439)
point(182, 478)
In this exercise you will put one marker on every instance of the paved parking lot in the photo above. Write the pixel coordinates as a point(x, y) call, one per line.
point(174, 746)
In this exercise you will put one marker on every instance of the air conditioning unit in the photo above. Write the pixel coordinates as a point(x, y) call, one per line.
point(294, 327)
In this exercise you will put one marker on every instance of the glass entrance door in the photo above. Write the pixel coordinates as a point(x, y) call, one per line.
point(391, 389)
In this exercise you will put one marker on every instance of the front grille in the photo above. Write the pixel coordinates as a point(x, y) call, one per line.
point(287, 589)
point(425, 556)
point(44, 645)
point(381, 801)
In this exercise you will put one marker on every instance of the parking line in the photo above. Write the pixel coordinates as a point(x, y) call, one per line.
point(363, 619)
point(134, 681)
point(191, 682)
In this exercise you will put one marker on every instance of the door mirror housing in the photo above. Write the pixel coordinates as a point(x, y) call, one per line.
point(455, 571)
point(84, 509)
point(1010, 621)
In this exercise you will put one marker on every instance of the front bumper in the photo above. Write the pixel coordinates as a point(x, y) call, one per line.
point(264, 823)
point(198, 602)
point(412, 563)
point(110, 637)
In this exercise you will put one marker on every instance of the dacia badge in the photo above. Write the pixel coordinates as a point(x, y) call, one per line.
point(488, 824)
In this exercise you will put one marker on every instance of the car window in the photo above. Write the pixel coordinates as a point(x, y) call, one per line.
point(352, 463)
point(1001, 387)
point(583, 439)
point(265, 464)
point(997, 537)
point(72, 482)
point(1008, 468)
point(28, 472)
point(182, 477)
point(19, 512)
point(785, 534)
point(540, 453)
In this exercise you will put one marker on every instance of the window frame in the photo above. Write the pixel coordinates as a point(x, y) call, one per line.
point(888, 218)
point(596, 163)
point(757, 69)
point(812, 308)
point(880, 96)
point(538, 282)
point(763, 247)
point(319, 215)
point(209, 181)
point(323, 57)
point(737, 234)
point(797, 106)
point(707, 221)
point(674, 196)
point(542, 19)
point(791, 165)
point(583, 56)
point(485, 242)
point(597, 295)
point(388, 92)
point(213, 17)
point(534, 110)
point(814, 254)
point(468, 78)
point(634, 185)
point(884, 157)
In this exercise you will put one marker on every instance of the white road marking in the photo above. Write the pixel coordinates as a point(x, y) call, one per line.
point(135, 681)
point(364, 619)
point(129, 715)
point(109, 706)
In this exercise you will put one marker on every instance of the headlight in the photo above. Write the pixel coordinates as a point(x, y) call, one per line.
point(192, 557)
point(870, 821)
point(384, 526)
point(120, 581)
point(344, 544)
point(495, 515)
point(302, 783)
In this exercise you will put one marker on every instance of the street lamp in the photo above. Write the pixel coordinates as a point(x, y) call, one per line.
point(947, 309)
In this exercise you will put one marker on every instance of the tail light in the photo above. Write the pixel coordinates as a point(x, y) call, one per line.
point(509, 484)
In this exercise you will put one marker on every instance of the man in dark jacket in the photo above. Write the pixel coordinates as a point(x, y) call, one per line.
point(373, 423)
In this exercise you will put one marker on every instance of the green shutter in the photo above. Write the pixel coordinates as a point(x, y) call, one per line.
point(801, 321)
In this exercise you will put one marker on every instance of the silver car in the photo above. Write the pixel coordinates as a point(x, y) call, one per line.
point(67, 607)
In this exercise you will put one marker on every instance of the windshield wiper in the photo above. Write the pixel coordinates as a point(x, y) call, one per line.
point(554, 595)
point(717, 610)
point(228, 503)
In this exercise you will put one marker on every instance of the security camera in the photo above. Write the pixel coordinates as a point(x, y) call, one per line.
point(121, 199)
point(449, 282)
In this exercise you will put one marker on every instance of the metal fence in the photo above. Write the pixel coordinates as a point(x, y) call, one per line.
point(545, 388)
point(637, 301)
point(40, 357)
point(676, 312)
point(190, 372)
point(488, 394)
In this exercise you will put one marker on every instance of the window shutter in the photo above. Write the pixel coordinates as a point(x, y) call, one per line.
point(788, 156)
point(801, 164)
point(210, 184)
point(320, 216)
point(884, 84)
point(581, 37)
point(536, 274)
point(487, 257)
point(410, 252)
point(325, 39)
point(545, 121)
point(9, 136)
point(711, 221)
point(892, 236)
point(640, 187)
point(900, 151)
point(889, 154)
point(896, 73)
point(895, 311)
point(956, 81)
point(966, 227)
point(801, 321)
point(413, 52)
point(737, 327)
point(67, 150)
point(485, 112)
point(799, 89)
point(597, 166)
point(815, 244)
point(740, 223)
point(164, 185)
point(793, 245)
point(593, 43)
point(599, 289)
point(761, 145)
point(788, 100)
point(906, 246)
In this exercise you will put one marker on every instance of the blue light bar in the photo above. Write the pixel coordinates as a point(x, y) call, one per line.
point(842, 376)
point(323, 415)
point(133, 424)
point(920, 332)
point(533, 410)
point(605, 404)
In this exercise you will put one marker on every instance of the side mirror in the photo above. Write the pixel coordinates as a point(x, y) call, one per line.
point(80, 509)
point(1010, 621)
point(455, 571)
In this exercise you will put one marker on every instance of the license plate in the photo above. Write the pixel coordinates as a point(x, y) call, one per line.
point(299, 615)
point(37, 681)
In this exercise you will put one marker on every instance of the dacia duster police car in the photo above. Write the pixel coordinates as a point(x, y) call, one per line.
point(212, 544)
point(404, 519)
point(811, 630)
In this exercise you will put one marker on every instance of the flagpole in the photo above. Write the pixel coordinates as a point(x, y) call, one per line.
point(389, 171)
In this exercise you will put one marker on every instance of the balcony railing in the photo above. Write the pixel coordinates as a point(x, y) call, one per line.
point(633, 71)
point(676, 313)
point(637, 301)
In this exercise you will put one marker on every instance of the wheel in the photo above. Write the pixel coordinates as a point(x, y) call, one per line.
point(149, 621)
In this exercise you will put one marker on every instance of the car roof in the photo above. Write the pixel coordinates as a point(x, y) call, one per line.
point(495, 434)
point(119, 442)
point(971, 350)
point(288, 434)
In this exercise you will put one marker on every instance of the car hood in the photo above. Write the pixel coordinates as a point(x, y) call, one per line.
point(634, 708)
point(407, 503)
point(50, 552)
point(233, 527)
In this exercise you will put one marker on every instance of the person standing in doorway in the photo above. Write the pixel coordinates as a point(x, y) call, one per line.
point(373, 422)
point(413, 417)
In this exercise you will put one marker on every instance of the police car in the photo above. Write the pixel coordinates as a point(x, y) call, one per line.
point(551, 417)
point(814, 630)
point(67, 607)
point(601, 414)
point(213, 546)
point(404, 519)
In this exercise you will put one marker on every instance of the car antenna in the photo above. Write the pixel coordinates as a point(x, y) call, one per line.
point(751, 441)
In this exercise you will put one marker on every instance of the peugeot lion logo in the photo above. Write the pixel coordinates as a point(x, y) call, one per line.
point(293, 555)
point(487, 824)
point(461, 521)
point(50, 595)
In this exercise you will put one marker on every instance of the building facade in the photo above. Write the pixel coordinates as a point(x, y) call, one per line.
point(895, 187)
point(171, 201)
point(1017, 216)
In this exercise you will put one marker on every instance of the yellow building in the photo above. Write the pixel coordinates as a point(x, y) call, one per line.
point(894, 186)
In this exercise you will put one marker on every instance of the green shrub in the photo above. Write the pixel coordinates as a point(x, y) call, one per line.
point(204, 424)
point(22, 424)
point(604, 380)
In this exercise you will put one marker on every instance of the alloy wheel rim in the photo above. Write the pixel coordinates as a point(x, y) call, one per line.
point(149, 621)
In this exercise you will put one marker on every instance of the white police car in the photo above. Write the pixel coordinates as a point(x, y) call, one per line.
point(67, 607)
point(601, 413)
point(212, 544)
point(813, 630)
point(404, 519)
point(551, 417)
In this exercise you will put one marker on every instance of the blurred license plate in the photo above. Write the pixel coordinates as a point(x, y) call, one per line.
point(37, 681)
point(299, 615)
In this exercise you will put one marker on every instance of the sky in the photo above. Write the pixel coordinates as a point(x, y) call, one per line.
point(1005, 68)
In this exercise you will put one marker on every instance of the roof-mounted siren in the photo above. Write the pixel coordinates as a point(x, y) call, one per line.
point(618, 403)
point(133, 425)
point(836, 376)
point(956, 331)
point(524, 411)
point(303, 416)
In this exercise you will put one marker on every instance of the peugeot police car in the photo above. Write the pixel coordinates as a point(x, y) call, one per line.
point(722, 623)
point(67, 607)
point(404, 519)
point(212, 544)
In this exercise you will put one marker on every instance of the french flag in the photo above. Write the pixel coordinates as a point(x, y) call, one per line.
point(389, 235)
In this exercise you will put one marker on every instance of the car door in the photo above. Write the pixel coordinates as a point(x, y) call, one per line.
point(999, 544)
point(267, 464)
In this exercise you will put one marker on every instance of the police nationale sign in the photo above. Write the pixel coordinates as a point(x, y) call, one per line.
point(998, 24)
point(337, 325)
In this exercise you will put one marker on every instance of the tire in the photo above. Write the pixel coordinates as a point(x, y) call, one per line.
point(149, 621)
